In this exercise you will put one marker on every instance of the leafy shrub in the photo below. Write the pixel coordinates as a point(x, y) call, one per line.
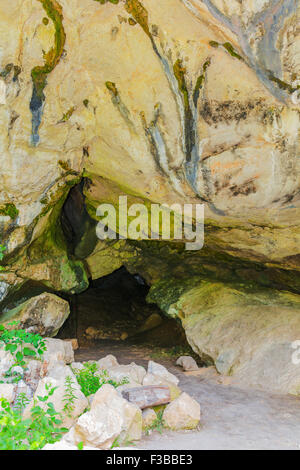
point(33, 433)
point(2, 250)
point(157, 425)
point(69, 397)
point(90, 383)
point(20, 343)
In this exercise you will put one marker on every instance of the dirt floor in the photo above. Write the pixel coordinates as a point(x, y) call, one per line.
point(231, 417)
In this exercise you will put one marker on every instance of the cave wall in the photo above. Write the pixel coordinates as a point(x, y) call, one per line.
point(170, 101)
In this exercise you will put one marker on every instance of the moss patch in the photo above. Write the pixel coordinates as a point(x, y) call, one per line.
point(52, 57)
point(9, 210)
point(139, 13)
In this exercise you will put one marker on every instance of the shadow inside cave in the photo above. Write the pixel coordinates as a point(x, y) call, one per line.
point(114, 308)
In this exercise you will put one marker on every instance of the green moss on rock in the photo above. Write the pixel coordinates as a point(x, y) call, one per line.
point(9, 210)
point(52, 57)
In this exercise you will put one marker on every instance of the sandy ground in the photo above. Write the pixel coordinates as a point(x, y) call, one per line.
point(231, 417)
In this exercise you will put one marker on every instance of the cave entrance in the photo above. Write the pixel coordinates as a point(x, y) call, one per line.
point(114, 309)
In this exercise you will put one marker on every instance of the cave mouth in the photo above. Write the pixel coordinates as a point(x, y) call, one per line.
point(114, 310)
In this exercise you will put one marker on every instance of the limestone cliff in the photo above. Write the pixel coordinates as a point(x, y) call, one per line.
point(164, 101)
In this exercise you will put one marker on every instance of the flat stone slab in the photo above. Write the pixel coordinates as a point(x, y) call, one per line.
point(147, 396)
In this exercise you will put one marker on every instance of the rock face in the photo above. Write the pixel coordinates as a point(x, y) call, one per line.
point(102, 99)
point(245, 332)
point(201, 95)
point(44, 314)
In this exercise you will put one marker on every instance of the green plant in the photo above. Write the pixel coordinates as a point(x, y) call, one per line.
point(157, 425)
point(90, 382)
point(2, 250)
point(21, 403)
point(21, 343)
point(116, 443)
point(69, 397)
point(33, 433)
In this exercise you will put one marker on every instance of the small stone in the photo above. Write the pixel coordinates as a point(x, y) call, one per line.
point(187, 363)
point(161, 371)
point(182, 413)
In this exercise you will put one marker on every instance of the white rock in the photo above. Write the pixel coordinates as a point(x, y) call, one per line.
point(43, 314)
point(132, 372)
point(57, 378)
point(7, 391)
point(182, 413)
point(6, 361)
point(187, 363)
point(159, 370)
point(107, 362)
point(58, 350)
point(110, 417)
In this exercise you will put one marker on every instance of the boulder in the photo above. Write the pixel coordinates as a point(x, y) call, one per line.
point(107, 362)
point(151, 379)
point(43, 314)
point(6, 362)
point(58, 350)
point(109, 418)
point(187, 363)
point(132, 372)
point(182, 413)
point(248, 334)
point(57, 377)
point(8, 392)
point(145, 397)
point(159, 370)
